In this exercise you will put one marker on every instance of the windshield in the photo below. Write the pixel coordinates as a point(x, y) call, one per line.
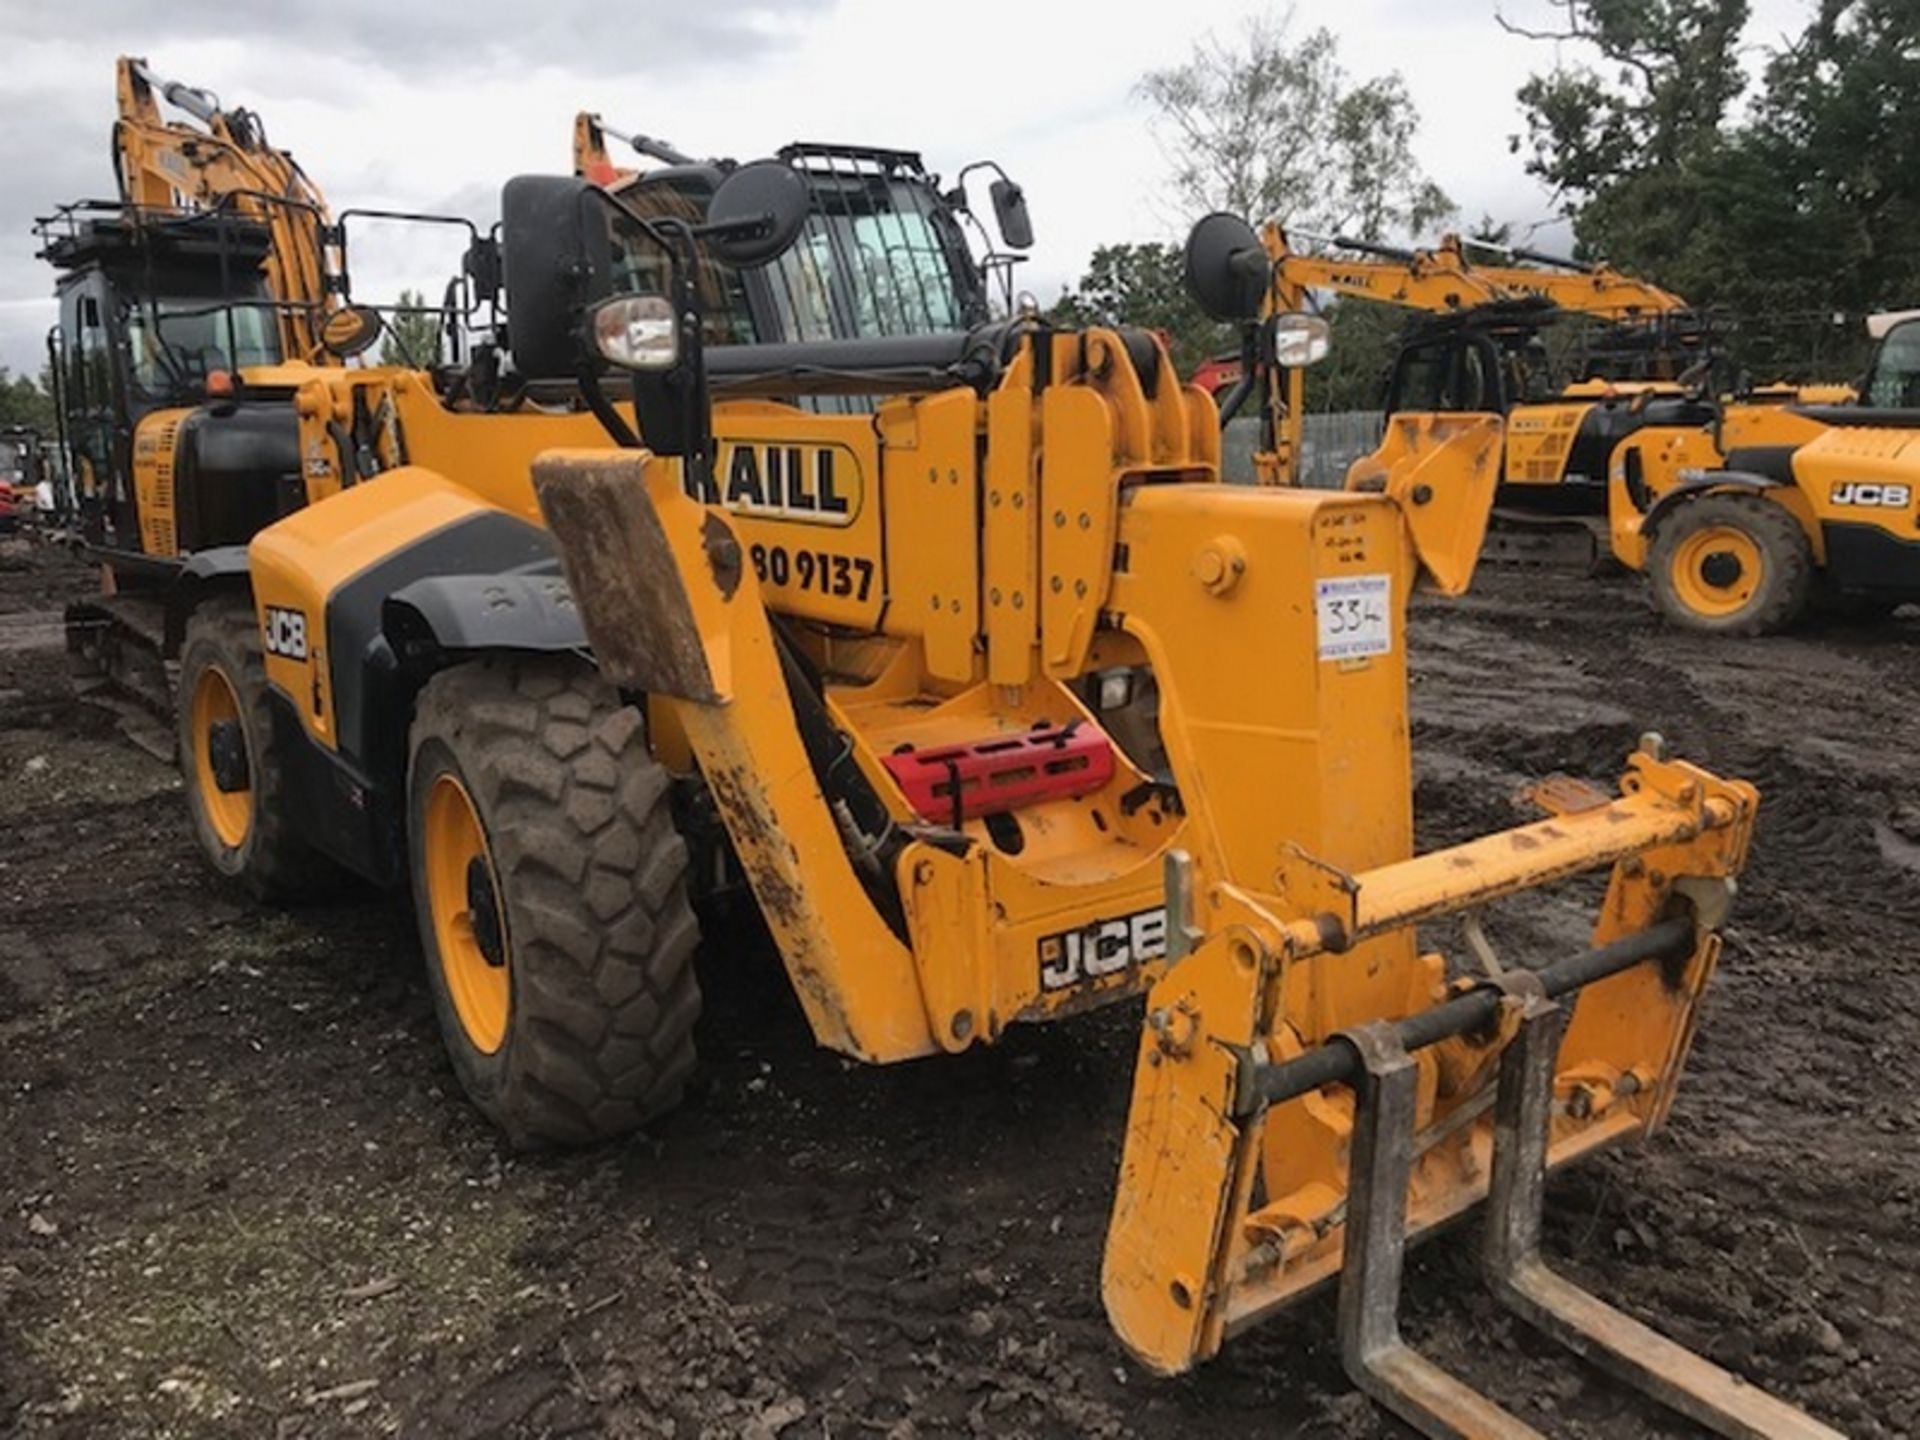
point(194, 337)
point(1895, 382)
point(872, 261)
point(878, 256)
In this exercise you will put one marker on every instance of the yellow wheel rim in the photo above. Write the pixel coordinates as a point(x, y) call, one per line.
point(468, 926)
point(1717, 570)
point(220, 745)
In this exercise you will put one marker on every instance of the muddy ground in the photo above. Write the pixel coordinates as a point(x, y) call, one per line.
point(240, 1196)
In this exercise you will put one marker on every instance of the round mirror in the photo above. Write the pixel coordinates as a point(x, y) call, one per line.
point(1227, 271)
point(348, 332)
point(1300, 340)
point(756, 213)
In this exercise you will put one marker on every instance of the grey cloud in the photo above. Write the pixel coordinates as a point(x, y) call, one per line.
point(60, 154)
point(434, 37)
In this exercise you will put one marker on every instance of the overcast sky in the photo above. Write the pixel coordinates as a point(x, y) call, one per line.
point(431, 105)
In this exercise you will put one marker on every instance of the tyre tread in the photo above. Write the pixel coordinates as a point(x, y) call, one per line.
point(588, 985)
point(1787, 587)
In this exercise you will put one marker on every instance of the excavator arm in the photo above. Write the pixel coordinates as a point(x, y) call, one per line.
point(1441, 280)
point(226, 163)
point(592, 160)
point(1599, 289)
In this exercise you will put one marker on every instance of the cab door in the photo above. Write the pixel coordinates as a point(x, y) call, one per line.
point(95, 418)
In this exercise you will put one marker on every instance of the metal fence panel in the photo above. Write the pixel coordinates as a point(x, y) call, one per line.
point(1332, 442)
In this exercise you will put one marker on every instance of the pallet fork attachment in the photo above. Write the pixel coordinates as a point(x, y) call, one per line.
point(1525, 1107)
point(1419, 1392)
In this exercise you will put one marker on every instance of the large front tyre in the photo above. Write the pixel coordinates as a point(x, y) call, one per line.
point(550, 886)
point(1731, 564)
point(234, 774)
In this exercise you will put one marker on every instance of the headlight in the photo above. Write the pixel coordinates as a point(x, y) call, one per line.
point(637, 332)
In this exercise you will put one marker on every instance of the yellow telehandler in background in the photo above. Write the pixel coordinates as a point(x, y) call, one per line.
point(1742, 511)
point(1741, 527)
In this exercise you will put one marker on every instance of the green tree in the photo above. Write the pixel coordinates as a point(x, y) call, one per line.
point(1272, 127)
point(1144, 286)
point(22, 402)
point(413, 333)
point(1802, 206)
point(1667, 72)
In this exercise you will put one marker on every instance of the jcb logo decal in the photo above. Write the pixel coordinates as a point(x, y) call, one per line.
point(1104, 947)
point(286, 633)
point(1857, 492)
point(812, 484)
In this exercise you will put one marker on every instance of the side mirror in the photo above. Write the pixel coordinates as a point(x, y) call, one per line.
point(1300, 341)
point(350, 331)
point(1010, 213)
point(557, 258)
point(481, 265)
point(756, 214)
point(1227, 271)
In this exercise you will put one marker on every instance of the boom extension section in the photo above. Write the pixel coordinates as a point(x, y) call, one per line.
point(1253, 872)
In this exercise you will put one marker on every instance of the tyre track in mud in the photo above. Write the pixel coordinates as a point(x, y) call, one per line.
point(273, 1214)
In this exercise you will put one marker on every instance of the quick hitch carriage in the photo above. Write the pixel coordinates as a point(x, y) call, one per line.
point(1311, 1090)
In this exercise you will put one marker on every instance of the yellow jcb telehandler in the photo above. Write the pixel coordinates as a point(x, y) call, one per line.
point(1743, 525)
point(856, 660)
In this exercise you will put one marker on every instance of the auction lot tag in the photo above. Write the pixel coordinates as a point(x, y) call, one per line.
point(1355, 616)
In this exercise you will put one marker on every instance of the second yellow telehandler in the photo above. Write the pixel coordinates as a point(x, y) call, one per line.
point(1744, 526)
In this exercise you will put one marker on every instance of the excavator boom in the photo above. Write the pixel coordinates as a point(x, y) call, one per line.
point(225, 163)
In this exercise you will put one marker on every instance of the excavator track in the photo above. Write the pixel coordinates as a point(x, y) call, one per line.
point(1562, 542)
point(116, 651)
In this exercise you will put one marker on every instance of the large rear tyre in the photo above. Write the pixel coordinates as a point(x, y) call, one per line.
point(235, 777)
point(1731, 565)
point(550, 886)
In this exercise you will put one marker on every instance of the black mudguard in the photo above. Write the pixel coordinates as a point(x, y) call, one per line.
point(1707, 482)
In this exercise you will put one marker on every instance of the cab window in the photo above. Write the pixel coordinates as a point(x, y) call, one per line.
point(1446, 377)
point(175, 342)
point(642, 267)
point(1895, 381)
point(1420, 383)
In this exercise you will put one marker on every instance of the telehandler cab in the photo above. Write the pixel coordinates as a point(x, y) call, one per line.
point(847, 658)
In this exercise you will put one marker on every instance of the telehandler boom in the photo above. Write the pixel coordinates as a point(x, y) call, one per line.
point(564, 686)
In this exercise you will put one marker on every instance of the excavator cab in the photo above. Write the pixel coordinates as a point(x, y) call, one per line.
point(1486, 359)
point(156, 314)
